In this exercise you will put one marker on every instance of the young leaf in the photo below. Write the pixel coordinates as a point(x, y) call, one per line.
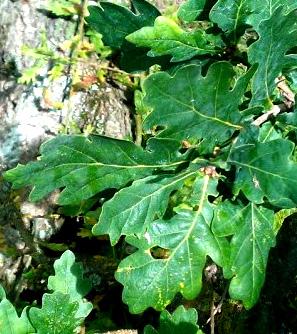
point(181, 321)
point(57, 315)
point(186, 240)
point(63, 7)
point(116, 22)
point(190, 9)
point(278, 35)
point(168, 38)
point(189, 105)
point(69, 280)
point(253, 237)
point(88, 165)
point(265, 169)
point(10, 321)
point(132, 209)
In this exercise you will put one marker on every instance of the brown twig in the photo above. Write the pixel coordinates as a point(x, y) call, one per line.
point(274, 111)
point(217, 309)
point(289, 96)
point(289, 101)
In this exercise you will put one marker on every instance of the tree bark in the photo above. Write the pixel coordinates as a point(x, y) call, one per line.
point(27, 119)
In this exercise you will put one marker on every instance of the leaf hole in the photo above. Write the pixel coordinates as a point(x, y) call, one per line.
point(160, 253)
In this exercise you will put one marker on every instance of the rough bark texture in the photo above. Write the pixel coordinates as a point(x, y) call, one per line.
point(27, 120)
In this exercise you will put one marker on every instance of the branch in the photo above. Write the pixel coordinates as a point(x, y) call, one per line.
point(274, 111)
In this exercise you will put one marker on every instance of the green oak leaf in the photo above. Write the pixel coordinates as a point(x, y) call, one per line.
point(180, 321)
point(266, 170)
point(186, 240)
point(280, 217)
point(189, 10)
point(278, 35)
point(191, 106)
point(166, 37)
point(262, 10)
point(132, 209)
point(57, 315)
point(88, 165)
point(11, 323)
point(253, 236)
point(68, 279)
point(233, 16)
point(115, 22)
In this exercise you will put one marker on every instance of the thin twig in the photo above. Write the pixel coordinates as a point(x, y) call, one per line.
point(138, 129)
point(212, 314)
point(218, 308)
point(274, 111)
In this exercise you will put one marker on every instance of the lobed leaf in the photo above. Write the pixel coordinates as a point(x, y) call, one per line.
point(233, 16)
point(167, 38)
point(132, 209)
point(68, 279)
point(189, 10)
point(253, 236)
point(264, 9)
point(278, 35)
point(88, 165)
point(10, 322)
point(266, 170)
point(57, 315)
point(191, 106)
point(181, 321)
point(186, 240)
point(115, 22)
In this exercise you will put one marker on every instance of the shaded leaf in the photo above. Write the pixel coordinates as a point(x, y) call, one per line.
point(191, 106)
point(57, 315)
point(181, 321)
point(278, 35)
point(186, 240)
point(132, 209)
point(233, 16)
point(266, 170)
point(88, 165)
point(10, 322)
point(115, 22)
point(189, 10)
point(250, 247)
point(264, 9)
point(69, 280)
point(167, 38)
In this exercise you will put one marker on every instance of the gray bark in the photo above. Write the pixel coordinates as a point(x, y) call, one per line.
point(27, 120)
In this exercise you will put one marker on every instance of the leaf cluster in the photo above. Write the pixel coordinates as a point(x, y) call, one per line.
point(214, 171)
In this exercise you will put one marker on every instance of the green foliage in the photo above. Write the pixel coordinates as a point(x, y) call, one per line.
point(189, 10)
point(191, 106)
point(180, 321)
point(63, 7)
point(62, 311)
point(167, 38)
point(214, 178)
point(278, 35)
